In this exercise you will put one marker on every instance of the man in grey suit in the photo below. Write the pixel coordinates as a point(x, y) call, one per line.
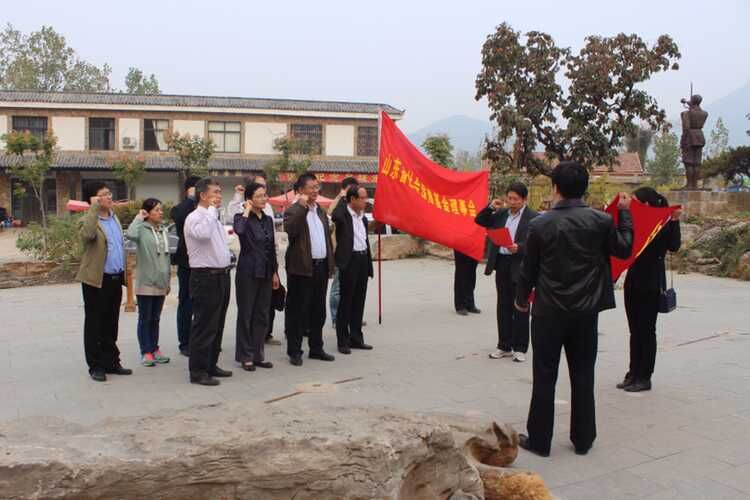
point(512, 324)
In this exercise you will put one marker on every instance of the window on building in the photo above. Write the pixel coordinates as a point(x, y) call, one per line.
point(36, 125)
point(367, 141)
point(312, 135)
point(102, 134)
point(225, 136)
point(155, 135)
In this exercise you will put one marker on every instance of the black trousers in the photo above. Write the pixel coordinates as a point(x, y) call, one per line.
point(101, 319)
point(353, 286)
point(253, 304)
point(305, 311)
point(578, 335)
point(642, 308)
point(464, 281)
point(512, 324)
point(184, 308)
point(209, 292)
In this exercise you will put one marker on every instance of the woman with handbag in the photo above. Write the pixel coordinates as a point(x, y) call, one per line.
point(256, 277)
point(153, 276)
point(645, 286)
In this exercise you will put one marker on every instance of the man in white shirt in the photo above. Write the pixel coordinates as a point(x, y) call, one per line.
point(237, 206)
point(354, 263)
point(209, 258)
point(309, 265)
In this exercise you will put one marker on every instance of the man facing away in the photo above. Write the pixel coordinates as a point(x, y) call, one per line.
point(309, 265)
point(512, 324)
point(354, 264)
point(208, 254)
point(335, 296)
point(237, 206)
point(180, 258)
point(567, 262)
point(102, 275)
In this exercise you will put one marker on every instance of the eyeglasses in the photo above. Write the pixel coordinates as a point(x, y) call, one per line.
point(108, 194)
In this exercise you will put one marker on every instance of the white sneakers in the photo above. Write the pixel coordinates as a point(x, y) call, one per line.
point(518, 357)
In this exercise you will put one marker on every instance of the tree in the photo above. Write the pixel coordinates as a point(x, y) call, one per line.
point(440, 149)
point(34, 159)
point(42, 60)
point(732, 164)
point(294, 158)
point(137, 83)
point(467, 161)
point(718, 141)
point(587, 123)
point(639, 142)
point(664, 168)
point(194, 153)
point(129, 170)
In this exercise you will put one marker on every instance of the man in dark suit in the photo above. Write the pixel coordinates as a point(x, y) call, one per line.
point(354, 262)
point(309, 265)
point(567, 261)
point(180, 258)
point(512, 325)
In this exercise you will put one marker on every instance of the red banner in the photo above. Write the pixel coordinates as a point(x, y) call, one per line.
point(648, 221)
point(427, 200)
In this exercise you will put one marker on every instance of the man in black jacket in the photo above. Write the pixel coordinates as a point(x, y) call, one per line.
point(512, 324)
point(567, 261)
point(354, 262)
point(180, 258)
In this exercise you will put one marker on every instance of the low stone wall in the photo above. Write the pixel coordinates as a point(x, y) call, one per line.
point(17, 274)
point(709, 203)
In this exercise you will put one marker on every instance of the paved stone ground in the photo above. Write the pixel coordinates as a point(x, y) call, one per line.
point(689, 438)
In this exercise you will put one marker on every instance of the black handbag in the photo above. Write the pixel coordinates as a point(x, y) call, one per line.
point(278, 298)
point(668, 296)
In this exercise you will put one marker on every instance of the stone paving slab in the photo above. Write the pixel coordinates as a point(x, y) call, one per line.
point(689, 438)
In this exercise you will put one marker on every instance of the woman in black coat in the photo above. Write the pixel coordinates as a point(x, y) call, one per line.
point(645, 280)
point(256, 277)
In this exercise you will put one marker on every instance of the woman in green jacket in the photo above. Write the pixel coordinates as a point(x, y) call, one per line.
point(153, 274)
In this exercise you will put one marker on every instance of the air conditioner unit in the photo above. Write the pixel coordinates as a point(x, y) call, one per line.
point(128, 143)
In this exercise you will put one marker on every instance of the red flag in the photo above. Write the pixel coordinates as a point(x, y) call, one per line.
point(427, 200)
point(648, 221)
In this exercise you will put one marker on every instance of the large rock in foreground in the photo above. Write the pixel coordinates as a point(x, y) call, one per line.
point(238, 451)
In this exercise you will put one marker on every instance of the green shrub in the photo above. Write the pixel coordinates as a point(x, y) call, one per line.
point(64, 244)
point(728, 247)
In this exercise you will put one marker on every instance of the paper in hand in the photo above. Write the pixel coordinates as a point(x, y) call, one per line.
point(500, 237)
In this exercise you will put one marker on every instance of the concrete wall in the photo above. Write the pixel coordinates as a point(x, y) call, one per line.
point(129, 128)
point(160, 185)
point(259, 136)
point(339, 140)
point(708, 203)
point(70, 132)
point(192, 127)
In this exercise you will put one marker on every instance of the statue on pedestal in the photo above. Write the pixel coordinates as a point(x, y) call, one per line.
point(692, 140)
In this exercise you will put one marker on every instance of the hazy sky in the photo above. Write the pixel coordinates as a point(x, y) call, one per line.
point(421, 56)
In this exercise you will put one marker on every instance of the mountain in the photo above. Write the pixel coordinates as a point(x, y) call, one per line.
point(733, 109)
point(464, 132)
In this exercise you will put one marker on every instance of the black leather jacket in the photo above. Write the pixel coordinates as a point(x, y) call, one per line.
point(567, 259)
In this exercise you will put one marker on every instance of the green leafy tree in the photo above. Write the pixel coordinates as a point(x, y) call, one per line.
point(295, 157)
point(42, 60)
point(718, 141)
point(665, 167)
point(33, 158)
point(138, 83)
point(194, 153)
point(520, 78)
point(639, 142)
point(439, 149)
point(129, 170)
point(733, 164)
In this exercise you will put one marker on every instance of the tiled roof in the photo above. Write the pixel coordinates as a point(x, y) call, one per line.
point(85, 161)
point(190, 101)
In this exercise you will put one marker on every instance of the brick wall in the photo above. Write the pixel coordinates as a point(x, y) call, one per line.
point(707, 203)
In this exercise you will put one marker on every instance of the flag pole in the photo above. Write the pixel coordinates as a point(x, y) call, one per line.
point(380, 230)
